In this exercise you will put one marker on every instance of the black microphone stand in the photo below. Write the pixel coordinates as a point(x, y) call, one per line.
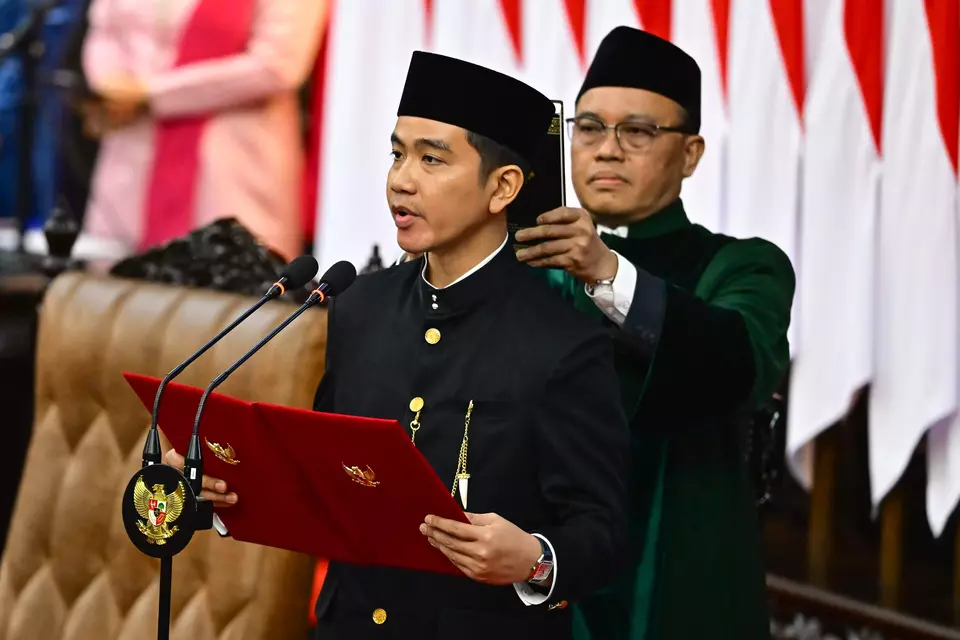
point(26, 41)
point(200, 518)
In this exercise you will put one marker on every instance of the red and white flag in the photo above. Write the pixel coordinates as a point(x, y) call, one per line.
point(943, 454)
point(369, 49)
point(915, 381)
point(700, 27)
point(603, 16)
point(839, 209)
point(765, 101)
point(485, 32)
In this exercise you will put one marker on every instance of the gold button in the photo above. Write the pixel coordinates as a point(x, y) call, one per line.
point(432, 336)
point(379, 616)
point(416, 404)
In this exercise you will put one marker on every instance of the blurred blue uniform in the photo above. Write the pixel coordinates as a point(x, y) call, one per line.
point(55, 32)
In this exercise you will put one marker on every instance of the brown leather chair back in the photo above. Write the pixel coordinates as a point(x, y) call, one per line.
point(69, 571)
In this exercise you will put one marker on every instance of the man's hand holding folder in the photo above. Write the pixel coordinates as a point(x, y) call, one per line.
point(490, 549)
point(214, 489)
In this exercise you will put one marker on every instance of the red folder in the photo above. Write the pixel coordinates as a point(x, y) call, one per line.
point(340, 487)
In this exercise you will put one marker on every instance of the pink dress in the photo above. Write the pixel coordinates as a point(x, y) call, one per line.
point(249, 155)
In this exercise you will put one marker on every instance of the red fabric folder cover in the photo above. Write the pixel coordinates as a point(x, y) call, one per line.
point(292, 480)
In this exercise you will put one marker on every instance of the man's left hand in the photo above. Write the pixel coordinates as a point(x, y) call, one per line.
point(491, 549)
point(571, 242)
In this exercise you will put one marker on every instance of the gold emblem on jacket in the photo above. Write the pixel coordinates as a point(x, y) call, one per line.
point(432, 336)
point(158, 510)
point(227, 454)
point(379, 616)
point(366, 478)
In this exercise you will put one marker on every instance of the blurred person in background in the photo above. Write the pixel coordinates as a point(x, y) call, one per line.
point(198, 113)
point(54, 32)
point(700, 322)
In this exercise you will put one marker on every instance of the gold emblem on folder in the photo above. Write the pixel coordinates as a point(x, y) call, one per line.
point(366, 478)
point(227, 454)
point(555, 126)
point(157, 510)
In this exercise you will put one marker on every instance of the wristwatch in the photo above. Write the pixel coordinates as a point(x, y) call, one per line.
point(543, 567)
point(608, 282)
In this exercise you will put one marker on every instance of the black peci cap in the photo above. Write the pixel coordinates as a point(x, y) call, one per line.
point(477, 99)
point(629, 57)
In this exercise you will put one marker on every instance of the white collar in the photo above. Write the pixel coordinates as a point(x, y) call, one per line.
point(423, 271)
point(618, 231)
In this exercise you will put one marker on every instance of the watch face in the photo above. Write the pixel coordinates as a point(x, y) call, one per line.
point(542, 572)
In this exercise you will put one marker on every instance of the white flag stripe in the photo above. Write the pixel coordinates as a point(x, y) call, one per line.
point(915, 381)
point(474, 31)
point(943, 456)
point(370, 48)
point(764, 134)
point(837, 237)
point(764, 131)
point(603, 16)
point(693, 31)
point(943, 473)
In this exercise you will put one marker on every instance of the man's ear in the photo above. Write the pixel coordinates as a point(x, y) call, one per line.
point(693, 149)
point(507, 182)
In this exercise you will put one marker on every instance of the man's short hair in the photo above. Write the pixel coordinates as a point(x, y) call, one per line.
point(494, 155)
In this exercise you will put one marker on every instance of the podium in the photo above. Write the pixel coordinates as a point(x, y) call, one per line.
point(344, 488)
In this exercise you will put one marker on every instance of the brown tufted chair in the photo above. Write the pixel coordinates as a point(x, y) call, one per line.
point(69, 571)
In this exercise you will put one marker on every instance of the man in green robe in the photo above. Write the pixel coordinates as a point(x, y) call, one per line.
point(700, 321)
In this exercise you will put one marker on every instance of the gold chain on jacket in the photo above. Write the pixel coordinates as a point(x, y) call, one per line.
point(462, 476)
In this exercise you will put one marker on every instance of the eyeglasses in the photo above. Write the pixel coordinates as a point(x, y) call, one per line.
point(586, 131)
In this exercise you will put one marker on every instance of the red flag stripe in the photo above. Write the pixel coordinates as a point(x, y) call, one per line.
point(943, 19)
point(788, 20)
point(577, 18)
point(721, 27)
point(655, 16)
point(311, 190)
point(512, 16)
point(428, 21)
point(863, 32)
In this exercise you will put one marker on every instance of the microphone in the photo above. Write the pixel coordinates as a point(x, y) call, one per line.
point(294, 275)
point(333, 283)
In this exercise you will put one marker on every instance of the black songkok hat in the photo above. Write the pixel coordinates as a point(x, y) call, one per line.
point(636, 59)
point(477, 99)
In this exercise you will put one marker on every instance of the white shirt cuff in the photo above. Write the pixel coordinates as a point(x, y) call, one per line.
point(219, 526)
point(525, 590)
point(615, 300)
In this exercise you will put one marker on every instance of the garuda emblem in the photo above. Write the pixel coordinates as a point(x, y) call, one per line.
point(365, 477)
point(158, 509)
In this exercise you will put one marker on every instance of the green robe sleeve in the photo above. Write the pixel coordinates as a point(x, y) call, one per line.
point(720, 347)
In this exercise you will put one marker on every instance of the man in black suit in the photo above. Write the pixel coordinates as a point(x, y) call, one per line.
point(509, 392)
